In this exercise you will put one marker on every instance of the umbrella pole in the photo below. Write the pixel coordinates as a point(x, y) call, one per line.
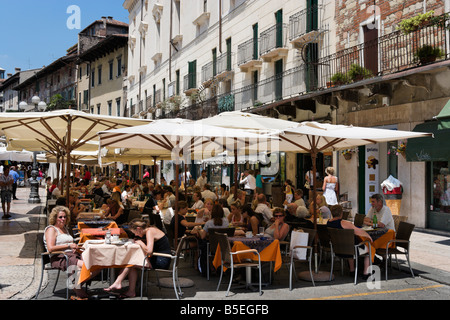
point(313, 158)
point(177, 169)
point(235, 170)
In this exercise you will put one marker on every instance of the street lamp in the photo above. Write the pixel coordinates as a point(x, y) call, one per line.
point(34, 193)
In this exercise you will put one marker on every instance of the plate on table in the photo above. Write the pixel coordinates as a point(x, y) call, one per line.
point(95, 241)
point(368, 228)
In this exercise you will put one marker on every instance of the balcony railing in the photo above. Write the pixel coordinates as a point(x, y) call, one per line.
point(207, 72)
point(388, 54)
point(273, 38)
point(224, 63)
point(246, 52)
point(303, 22)
point(190, 83)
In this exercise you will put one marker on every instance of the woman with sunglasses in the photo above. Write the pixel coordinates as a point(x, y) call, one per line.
point(57, 238)
point(279, 229)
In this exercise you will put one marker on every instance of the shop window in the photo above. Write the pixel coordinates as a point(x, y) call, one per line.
point(441, 186)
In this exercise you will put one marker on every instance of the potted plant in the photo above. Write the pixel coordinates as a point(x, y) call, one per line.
point(399, 149)
point(347, 153)
point(358, 73)
point(414, 23)
point(427, 54)
point(339, 78)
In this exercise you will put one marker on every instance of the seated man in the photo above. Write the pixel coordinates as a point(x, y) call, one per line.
point(207, 193)
point(264, 209)
point(383, 213)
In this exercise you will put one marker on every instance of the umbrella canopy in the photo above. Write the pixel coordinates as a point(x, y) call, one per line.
point(253, 123)
point(19, 156)
point(59, 132)
point(181, 140)
point(318, 137)
point(249, 121)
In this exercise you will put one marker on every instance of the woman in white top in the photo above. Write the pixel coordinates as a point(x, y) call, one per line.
point(330, 187)
point(57, 238)
point(198, 203)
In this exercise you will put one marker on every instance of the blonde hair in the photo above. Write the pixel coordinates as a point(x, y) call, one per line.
point(323, 201)
point(55, 211)
point(330, 170)
point(209, 200)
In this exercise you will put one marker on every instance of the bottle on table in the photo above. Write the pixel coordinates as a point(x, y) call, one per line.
point(375, 221)
point(108, 237)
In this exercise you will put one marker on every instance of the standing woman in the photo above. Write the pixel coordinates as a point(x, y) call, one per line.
point(151, 239)
point(330, 187)
point(288, 191)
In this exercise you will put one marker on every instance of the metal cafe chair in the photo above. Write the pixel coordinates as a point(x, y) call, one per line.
point(227, 261)
point(402, 244)
point(46, 266)
point(343, 246)
point(212, 244)
point(173, 270)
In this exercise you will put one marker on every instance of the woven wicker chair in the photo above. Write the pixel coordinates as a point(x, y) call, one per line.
point(402, 244)
point(343, 246)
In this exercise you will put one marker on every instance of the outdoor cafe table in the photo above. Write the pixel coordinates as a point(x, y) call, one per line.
point(98, 256)
point(99, 233)
point(90, 215)
point(380, 237)
point(107, 224)
point(269, 250)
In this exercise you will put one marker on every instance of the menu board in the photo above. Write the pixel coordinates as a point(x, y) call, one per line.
point(372, 172)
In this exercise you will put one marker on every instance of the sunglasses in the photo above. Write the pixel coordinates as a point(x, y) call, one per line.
point(278, 216)
point(62, 217)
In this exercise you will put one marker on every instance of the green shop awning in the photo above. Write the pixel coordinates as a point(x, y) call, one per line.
point(444, 117)
point(429, 148)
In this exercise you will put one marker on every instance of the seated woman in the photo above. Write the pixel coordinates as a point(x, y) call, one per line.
point(57, 238)
point(198, 203)
point(279, 229)
point(151, 239)
point(321, 206)
point(114, 209)
point(217, 221)
point(183, 224)
point(235, 217)
point(75, 205)
point(254, 219)
point(337, 222)
point(204, 214)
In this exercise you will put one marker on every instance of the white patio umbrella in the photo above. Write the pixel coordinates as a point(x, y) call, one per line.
point(253, 123)
point(313, 137)
point(60, 132)
point(180, 140)
point(19, 156)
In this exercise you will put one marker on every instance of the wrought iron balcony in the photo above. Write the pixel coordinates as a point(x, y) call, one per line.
point(304, 26)
point(248, 56)
point(273, 42)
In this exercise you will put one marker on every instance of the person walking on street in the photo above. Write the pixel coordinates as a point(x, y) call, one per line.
point(6, 183)
point(15, 176)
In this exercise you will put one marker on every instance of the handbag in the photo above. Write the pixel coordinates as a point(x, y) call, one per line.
point(299, 238)
point(307, 186)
